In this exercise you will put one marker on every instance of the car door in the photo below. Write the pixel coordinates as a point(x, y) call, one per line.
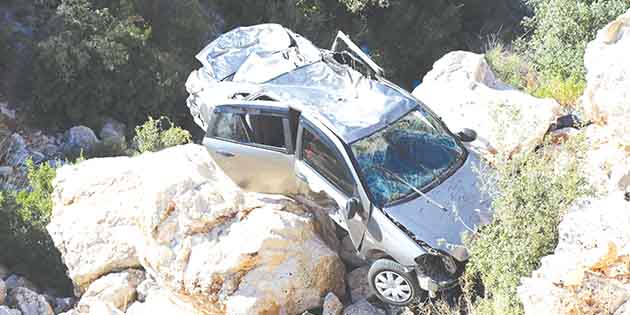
point(252, 143)
point(326, 177)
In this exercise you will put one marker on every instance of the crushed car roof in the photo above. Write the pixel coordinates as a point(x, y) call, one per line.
point(271, 60)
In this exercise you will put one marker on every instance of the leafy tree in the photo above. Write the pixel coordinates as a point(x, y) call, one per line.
point(561, 29)
point(106, 59)
point(407, 36)
point(27, 247)
point(317, 20)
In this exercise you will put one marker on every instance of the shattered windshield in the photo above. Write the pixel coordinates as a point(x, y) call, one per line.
point(415, 148)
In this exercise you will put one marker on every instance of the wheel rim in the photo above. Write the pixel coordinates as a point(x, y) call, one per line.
point(392, 286)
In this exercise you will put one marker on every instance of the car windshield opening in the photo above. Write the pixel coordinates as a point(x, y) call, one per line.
point(416, 148)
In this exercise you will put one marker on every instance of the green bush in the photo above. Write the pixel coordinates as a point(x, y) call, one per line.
point(561, 29)
point(533, 191)
point(157, 134)
point(119, 59)
point(512, 68)
point(26, 245)
point(566, 91)
point(518, 71)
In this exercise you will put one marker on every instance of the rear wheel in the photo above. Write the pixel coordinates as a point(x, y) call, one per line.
point(391, 282)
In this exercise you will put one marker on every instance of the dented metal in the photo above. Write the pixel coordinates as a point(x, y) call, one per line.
point(266, 75)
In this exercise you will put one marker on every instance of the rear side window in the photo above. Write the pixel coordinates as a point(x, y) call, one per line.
point(263, 129)
point(266, 130)
point(325, 161)
point(230, 126)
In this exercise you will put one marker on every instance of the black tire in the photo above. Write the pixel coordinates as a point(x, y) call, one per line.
point(381, 278)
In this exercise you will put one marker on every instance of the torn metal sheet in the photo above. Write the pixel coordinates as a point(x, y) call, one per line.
point(288, 67)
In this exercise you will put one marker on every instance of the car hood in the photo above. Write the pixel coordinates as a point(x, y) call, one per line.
point(468, 209)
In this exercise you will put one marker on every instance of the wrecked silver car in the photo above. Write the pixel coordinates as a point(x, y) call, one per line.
point(283, 116)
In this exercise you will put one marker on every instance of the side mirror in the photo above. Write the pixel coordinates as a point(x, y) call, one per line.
point(353, 205)
point(467, 135)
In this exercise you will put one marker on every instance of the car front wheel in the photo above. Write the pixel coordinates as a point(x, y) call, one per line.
point(391, 282)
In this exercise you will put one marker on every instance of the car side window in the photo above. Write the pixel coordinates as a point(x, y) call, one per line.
point(229, 126)
point(324, 160)
point(266, 129)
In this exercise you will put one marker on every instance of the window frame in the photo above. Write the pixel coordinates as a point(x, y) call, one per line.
point(253, 109)
point(307, 126)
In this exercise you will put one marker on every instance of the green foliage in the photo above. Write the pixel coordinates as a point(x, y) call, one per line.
point(36, 204)
point(360, 5)
point(517, 70)
point(27, 247)
point(561, 30)
point(511, 67)
point(106, 60)
point(533, 191)
point(408, 36)
point(564, 90)
point(317, 20)
point(551, 62)
point(157, 134)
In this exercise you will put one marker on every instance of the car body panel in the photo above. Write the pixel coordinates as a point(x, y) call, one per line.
point(466, 209)
point(255, 167)
point(317, 184)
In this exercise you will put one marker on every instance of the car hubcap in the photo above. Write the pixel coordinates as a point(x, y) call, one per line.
point(392, 286)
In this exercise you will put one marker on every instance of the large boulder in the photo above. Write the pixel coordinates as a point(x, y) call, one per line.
point(606, 102)
point(100, 200)
point(462, 89)
point(608, 75)
point(590, 267)
point(79, 139)
point(241, 255)
point(204, 241)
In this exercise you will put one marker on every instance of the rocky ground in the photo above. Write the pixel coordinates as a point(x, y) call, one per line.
point(589, 272)
point(20, 296)
point(19, 143)
point(169, 233)
point(152, 239)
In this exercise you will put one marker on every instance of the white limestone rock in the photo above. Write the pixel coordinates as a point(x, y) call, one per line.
point(116, 289)
point(204, 241)
point(462, 89)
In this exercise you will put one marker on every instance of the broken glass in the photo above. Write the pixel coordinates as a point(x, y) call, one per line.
point(415, 148)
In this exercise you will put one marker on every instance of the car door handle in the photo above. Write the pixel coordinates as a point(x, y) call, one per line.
point(225, 153)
